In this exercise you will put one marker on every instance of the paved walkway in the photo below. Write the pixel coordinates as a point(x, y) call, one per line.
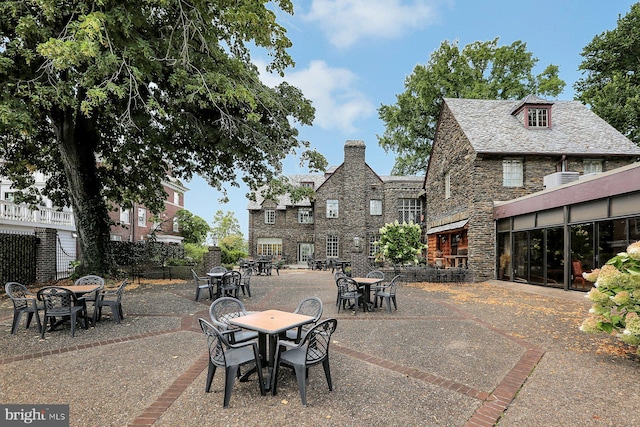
point(452, 355)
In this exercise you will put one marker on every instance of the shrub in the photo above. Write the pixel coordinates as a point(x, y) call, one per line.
point(616, 297)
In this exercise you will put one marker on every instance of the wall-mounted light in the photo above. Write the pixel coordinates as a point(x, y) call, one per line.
point(356, 242)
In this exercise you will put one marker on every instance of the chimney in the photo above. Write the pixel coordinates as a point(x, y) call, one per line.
point(354, 152)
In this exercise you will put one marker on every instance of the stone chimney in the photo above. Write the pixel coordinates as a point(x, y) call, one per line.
point(354, 152)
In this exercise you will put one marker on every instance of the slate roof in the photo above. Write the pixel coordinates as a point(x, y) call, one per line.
point(575, 130)
point(318, 180)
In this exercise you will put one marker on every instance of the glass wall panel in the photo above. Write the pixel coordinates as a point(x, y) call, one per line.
point(582, 239)
point(536, 257)
point(504, 256)
point(520, 256)
point(555, 256)
point(612, 239)
point(634, 229)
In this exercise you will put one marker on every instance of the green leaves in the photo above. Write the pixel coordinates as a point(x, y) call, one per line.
point(481, 70)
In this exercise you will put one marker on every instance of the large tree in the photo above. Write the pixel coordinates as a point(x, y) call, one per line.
point(108, 97)
point(481, 70)
point(611, 83)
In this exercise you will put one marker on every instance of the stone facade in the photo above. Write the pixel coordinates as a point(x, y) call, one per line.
point(476, 182)
point(353, 185)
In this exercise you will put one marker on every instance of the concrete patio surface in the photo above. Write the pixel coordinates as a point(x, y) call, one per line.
point(478, 354)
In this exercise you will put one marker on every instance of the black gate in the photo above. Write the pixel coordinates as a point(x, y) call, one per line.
point(18, 257)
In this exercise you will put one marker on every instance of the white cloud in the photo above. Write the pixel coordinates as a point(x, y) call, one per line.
point(344, 22)
point(331, 90)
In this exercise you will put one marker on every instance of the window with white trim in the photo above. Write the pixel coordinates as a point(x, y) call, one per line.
point(375, 207)
point(269, 246)
point(409, 211)
point(592, 166)
point(270, 216)
point(176, 198)
point(176, 225)
point(447, 185)
point(305, 215)
point(124, 216)
point(512, 173)
point(332, 246)
point(332, 208)
point(142, 217)
point(538, 117)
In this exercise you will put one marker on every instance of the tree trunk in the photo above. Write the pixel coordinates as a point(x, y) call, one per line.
point(77, 141)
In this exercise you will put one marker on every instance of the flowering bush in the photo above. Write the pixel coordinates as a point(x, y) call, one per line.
point(616, 297)
point(401, 243)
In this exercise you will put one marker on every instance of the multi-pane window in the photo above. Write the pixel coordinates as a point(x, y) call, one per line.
point(332, 246)
point(375, 207)
point(142, 217)
point(538, 117)
point(176, 198)
point(176, 226)
point(308, 184)
point(332, 208)
point(447, 185)
point(269, 247)
point(592, 166)
point(270, 216)
point(124, 216)
point(305, 215)
point(374, 248)
point(409, 210)
point(512, 174)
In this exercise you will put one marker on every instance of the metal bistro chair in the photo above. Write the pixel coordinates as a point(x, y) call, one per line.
point(314, 349)
point(229, 356)
point(111, 298)
point(311, 306)
point(197, 281)
point(61, 302)
point(225, 308)
point(23, 302)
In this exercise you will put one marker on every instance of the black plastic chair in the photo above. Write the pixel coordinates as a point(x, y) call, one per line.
point(376, 274)
point(245, 281)
point(229, 356)
point(311, 306)
point(61, 302)
point(111, 298)
point(218, 269)
point(337, 275)
point(388, 293)
point(314, 349)
point(348, 290)
point(230, 283)
point(224, 309)
point(90, 280)
point(23, 302)
point(197, 281)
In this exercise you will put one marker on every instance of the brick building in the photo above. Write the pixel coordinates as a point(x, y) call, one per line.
point(487, 151)
point(351, 204)
point(137, 223)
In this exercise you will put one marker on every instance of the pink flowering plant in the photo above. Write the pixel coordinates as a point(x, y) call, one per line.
point(616, 297)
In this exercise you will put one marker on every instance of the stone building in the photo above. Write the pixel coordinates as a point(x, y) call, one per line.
point(486, 151)
point(352, 202)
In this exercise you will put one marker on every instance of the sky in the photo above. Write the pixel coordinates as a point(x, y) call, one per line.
point(352, 56)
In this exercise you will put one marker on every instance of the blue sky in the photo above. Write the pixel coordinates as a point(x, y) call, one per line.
point(353, 56)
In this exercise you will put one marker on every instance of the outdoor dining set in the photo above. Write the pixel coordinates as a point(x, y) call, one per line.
point(58, 303)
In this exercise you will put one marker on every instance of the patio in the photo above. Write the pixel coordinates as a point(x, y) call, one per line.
point(452, 355)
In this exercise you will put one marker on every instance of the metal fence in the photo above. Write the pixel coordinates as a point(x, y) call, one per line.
point(17, 257)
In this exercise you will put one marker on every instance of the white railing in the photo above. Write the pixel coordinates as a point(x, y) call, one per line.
point(41, 215)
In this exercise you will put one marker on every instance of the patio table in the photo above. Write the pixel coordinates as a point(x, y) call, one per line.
point(366, 283)
point(270, 323)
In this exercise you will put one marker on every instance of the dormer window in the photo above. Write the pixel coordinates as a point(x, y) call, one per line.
point(308, 184)
point(538, 117)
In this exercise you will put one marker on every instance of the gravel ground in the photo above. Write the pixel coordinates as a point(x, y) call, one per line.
point(440, 360)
